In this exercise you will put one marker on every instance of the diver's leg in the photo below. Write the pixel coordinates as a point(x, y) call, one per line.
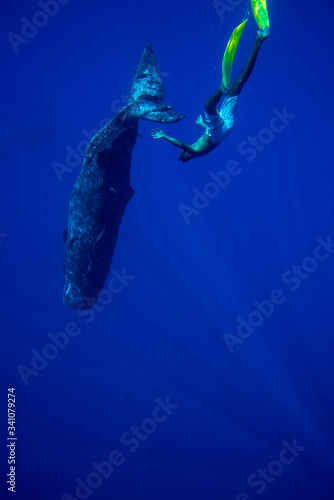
point(212, 102)
point(240, 81)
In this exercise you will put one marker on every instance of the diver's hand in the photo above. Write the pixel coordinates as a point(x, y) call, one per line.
point(158, 134)
point(200, 121)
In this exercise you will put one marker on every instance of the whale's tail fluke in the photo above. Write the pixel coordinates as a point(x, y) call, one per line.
point(147, 83)
point(147, 91)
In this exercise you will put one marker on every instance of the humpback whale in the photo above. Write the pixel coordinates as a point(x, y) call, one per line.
point(102, 190)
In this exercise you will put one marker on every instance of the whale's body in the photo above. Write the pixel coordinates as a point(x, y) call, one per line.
point(102, 190)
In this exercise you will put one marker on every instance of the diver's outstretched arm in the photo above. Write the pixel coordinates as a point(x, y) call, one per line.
point(159, 134)
point(240, 81)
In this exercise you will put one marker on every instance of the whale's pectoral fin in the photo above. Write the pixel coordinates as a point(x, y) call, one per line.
point(147, 92)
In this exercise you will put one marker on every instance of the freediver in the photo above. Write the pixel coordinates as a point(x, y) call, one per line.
point(219, 124)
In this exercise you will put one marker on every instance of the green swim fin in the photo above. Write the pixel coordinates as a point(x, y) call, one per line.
point(229, 55)
point(260, 12)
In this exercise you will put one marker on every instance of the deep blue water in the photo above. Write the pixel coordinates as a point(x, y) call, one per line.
point(249, 408)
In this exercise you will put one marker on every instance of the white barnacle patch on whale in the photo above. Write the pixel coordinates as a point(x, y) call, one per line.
point(101, 234)
point(113, 191)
